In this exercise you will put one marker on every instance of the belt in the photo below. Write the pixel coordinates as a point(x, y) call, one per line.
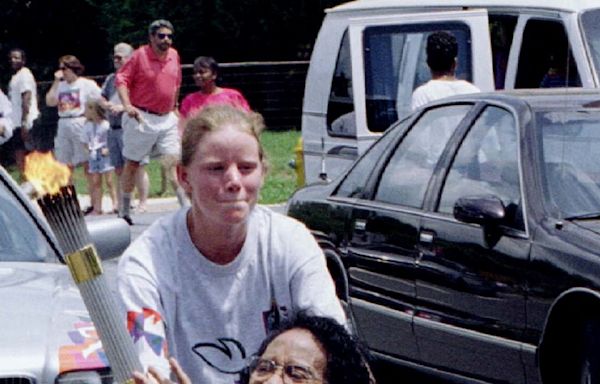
point(71, 117)
point(151, 112)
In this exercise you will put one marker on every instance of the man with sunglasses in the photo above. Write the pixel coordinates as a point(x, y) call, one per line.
point(148, 85)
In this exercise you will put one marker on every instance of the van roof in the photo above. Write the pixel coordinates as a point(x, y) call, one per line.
point(562, 5)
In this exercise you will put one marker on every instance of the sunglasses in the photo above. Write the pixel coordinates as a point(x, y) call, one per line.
point(163, 36)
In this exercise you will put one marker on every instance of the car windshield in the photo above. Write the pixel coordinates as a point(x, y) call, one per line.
point(571, 148)
point(590, 23)
point(20, 239)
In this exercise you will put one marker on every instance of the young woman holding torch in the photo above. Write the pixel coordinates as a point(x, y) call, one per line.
point(206, 284)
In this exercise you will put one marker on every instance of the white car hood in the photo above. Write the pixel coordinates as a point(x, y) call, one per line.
point(44, 326)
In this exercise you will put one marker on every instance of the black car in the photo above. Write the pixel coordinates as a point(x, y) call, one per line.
point(466, 240)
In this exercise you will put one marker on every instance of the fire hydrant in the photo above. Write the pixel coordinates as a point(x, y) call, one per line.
point(298, 163)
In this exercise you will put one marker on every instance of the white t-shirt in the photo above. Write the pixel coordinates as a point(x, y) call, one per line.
point(72, 97)
point(5, 120)
point(215, 316)
point(438, 89)
point(95, 135)
point(21, 82)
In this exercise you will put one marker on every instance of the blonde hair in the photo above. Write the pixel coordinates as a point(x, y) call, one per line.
point(94, 106)
point(213, 119)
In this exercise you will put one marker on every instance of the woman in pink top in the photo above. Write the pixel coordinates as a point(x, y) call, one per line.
point(206, 70)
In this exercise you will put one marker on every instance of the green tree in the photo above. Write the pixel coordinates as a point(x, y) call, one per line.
point(230, 30)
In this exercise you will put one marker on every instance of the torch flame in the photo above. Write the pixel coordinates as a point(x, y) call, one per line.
point(45, 173)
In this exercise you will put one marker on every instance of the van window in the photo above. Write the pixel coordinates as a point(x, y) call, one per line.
point(340, 109)
point(395, 64)
point(545, 60)
point(590, 23)
point(502, 29)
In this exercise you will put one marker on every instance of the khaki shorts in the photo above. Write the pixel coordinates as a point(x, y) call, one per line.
point(153, 135)
point(68, 147)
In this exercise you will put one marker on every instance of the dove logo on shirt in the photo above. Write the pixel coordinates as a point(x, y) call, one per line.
point(225, 355)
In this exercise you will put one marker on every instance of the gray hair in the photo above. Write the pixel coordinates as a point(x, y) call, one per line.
point(158, 24)
point(123, 49)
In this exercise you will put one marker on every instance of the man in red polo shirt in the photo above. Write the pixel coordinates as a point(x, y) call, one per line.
point(148, 85)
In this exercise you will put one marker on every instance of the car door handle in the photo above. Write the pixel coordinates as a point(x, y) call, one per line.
point(425, 247)
point(426, 237)
point(360, 225)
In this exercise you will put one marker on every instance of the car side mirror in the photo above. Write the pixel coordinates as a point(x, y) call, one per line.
point(110, 237)
point(484, 210)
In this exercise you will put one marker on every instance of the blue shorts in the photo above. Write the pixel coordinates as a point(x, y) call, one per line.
point(115, 147)
point(99, 164)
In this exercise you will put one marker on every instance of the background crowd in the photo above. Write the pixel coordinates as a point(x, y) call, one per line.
point(90, 130)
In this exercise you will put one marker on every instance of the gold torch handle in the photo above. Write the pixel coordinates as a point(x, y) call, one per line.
point(86, 269)
point(84, 264)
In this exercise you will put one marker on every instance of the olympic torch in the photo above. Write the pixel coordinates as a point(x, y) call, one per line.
point(60, 206)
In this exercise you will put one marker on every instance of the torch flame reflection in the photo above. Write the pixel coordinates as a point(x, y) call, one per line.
point(45, 173)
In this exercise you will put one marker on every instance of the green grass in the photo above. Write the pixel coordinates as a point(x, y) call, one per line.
point(281, 178)
point(278, 187)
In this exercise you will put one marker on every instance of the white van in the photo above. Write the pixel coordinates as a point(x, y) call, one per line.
point(370, 55)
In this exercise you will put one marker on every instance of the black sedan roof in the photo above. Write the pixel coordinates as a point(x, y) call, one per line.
point(541, 99)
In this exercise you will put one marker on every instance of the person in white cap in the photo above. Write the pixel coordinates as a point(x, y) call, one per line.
point(122, 53)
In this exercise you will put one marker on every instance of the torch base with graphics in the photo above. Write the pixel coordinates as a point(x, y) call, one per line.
point(66, 219)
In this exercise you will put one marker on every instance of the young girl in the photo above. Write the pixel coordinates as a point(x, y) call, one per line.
point(94, 137)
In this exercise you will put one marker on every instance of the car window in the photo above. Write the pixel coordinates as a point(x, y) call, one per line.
point(355, 181)
point(20, 239)
point(545, 59)
point(406, 176)
point(340, 109)
point(571, 148)
point(395, 64)
point(487, 164)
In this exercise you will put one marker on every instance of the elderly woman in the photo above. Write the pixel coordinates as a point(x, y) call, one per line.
point(206, 284)
point(306, 349)
point(309, 349)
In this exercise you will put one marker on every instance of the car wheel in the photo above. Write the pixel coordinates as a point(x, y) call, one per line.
point(589, 361)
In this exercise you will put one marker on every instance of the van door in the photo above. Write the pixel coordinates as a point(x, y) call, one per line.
point(380, 60)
